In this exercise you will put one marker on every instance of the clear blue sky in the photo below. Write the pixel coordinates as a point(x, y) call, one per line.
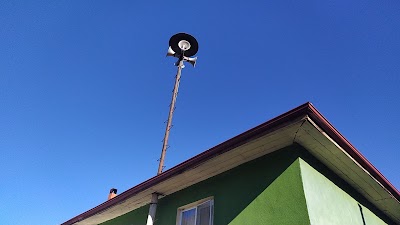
point(85, 88)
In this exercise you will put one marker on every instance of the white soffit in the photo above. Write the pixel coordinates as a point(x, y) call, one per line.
point(319, 144)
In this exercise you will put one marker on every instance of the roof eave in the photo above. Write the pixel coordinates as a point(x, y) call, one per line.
point(330, 130)
point(306, 109)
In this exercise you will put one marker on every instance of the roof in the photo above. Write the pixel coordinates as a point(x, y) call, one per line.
point(303, 125)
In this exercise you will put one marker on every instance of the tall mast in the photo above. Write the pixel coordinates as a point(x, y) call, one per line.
point(182, 46)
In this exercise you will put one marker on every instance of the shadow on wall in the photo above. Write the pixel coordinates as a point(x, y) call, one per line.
point(267, 190)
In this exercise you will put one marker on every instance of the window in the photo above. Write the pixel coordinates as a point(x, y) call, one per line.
point(197, 213)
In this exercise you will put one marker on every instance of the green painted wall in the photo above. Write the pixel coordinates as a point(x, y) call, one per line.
point(267, 190)
point(282, 202)
point(136, 217)
point(289, 186)
point(371, 218)
point(328, 204)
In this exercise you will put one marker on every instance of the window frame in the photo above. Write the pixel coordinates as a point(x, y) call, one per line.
point(194, 205)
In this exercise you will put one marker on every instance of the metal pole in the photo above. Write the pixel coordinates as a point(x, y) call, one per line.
point(171, 112)
point(152, 210)
point(154, 197)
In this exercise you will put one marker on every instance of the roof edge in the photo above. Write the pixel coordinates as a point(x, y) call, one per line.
point(331, 131)
point(306, 109)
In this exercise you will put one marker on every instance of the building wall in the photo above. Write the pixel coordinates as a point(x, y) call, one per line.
point(282, 202)
point(135, 217)
point(329, 204)
point(267, 190)
point(288, 186)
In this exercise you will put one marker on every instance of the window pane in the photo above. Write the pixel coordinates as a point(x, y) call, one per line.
point(204, 214)
point(188, 217)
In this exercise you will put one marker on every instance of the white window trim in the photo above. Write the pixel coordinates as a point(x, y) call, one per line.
point(194, 205)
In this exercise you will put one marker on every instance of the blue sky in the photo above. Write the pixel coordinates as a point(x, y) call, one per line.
point(85, 88)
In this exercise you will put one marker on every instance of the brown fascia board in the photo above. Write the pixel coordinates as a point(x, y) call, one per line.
point(331, 131)
point(306, 109)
